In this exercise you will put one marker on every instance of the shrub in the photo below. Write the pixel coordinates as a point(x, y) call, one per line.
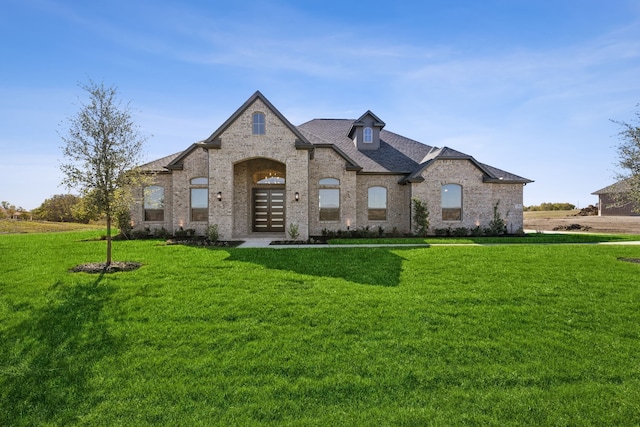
point(498, 225)
point(293, 231)
point(442, 231)
point(180, 232)
point(161, 233)
point(420, 216)
point(139, 234)
point(212, 233)
point(460, 231)
point(123, 219)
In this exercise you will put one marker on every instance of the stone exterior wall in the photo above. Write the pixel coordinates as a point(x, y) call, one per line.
point(398, 203)
point(327, 163)
point(478, 197)
point(137, 211)
point(195, 165)
point(238, 144)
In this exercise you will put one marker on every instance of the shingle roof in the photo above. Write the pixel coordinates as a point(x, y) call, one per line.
point(160, 165)
point(619, 187)
point(397, 154)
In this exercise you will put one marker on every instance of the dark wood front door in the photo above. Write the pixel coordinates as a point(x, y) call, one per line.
point(268, 209)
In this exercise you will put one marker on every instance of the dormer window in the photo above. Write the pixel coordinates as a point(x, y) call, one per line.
point(366, 132)
point(368, 135)
point(258, 124)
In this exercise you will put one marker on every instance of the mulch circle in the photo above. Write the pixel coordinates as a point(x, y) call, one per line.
point(635, 260)
point(101, 267)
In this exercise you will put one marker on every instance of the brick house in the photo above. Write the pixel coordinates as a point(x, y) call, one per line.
point(611, 200)
point(258, 173)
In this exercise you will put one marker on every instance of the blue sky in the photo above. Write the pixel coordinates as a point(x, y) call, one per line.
point(526, 86)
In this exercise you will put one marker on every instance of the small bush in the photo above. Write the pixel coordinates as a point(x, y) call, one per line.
point(139, 234)
point(498, 225)
point(420, 216)
point(460, 231)
point(180, 232)
point(442, 231)
point(293, 231)
point(212, 233)
point(161, 233)
point(123, 219)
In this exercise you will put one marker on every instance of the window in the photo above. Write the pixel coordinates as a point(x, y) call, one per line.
point(368, 135)
point(451, 202)
point(199, 199)
point(199, 181)
point(377, 204)
point(199, 204)
point(258, 124)
point(154, 203)
point(329, 199)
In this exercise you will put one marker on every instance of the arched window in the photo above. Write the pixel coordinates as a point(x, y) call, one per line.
point(451, 202)
point(154, 203)
point(377, 204)
point(199, 181)
point(329, 199)
point(199, 199)
point(368, 135)
point(259, 126)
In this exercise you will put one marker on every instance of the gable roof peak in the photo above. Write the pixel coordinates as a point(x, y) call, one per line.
point(376, 120)
point(213, 139)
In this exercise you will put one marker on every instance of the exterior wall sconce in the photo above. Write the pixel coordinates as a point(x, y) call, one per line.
point(297, 196)
point(219, 196)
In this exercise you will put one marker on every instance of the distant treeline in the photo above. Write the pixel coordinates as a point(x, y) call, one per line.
point(551, 207)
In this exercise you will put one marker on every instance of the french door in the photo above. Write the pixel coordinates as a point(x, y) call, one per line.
point(268, 209)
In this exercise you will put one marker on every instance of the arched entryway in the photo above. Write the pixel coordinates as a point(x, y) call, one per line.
point(264, 184)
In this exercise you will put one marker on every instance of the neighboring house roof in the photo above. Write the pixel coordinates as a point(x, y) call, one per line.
point(619, 187)
point(160, 165)
point(397, 154)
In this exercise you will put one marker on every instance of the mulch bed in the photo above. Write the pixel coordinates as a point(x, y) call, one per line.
point(101, 267)
point(204, 242)
point(634, 260)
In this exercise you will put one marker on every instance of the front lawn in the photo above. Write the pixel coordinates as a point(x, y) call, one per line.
point(445, 335)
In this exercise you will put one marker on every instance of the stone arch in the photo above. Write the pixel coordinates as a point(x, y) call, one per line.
point(259, 196)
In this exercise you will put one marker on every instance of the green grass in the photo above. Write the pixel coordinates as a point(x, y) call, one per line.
point(13, 226)
point(445, 335)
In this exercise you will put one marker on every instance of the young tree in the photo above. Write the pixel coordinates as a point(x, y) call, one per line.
point(629, 162)
point(102, 149)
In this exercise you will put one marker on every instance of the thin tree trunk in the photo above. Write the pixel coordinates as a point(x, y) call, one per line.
point(108, 263)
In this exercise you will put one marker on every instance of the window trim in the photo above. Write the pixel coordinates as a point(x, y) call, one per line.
point(199, 214)
point(329, 214)
point(259, 123)
point(386, 204)
point(367, 135)
point(148, 212)
point(448, 212)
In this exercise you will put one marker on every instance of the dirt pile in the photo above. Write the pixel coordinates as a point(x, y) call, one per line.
point(588, 211)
